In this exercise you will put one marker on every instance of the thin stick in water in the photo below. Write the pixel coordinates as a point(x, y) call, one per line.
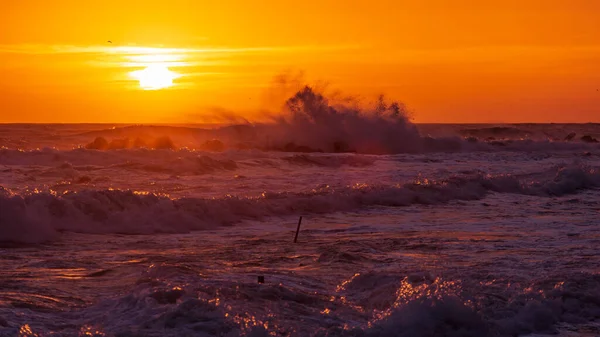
point(297, 230)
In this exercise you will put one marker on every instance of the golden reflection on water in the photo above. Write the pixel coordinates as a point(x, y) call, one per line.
point(87, 330)
point(408, 292)
point(342, 286)
point(326, 311)
point(26, 331)
point(343, 299)
point(246, 321)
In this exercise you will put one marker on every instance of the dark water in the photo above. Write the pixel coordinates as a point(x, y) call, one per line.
point(462, 230)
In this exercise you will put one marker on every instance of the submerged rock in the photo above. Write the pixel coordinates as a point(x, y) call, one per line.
point(589, 139)
point(100, 143)
point(164, 143)
point(292, 147)
point(213, 145)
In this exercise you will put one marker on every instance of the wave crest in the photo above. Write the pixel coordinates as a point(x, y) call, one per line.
point(312, 120)
point(39, 216)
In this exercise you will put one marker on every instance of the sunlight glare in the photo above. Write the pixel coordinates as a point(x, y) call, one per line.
point(154, 77)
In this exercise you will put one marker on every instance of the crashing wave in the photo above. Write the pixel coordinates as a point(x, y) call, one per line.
point(40, 216)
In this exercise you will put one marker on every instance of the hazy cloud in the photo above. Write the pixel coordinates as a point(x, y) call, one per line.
point(34, 49)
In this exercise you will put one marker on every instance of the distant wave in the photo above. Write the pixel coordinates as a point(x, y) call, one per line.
point(282, 141)
point(73, 163)
point(80, 161)
point(40, 216)
point(496, 131)
point(310, 122)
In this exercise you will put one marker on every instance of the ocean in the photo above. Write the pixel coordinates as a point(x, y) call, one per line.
point(407, 229)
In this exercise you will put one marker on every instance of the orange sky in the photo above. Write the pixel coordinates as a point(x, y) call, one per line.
point(449, 61)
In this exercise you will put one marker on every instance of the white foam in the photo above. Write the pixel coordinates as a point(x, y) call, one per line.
point(115, 211)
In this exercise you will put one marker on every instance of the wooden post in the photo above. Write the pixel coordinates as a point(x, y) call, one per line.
point(297, 230)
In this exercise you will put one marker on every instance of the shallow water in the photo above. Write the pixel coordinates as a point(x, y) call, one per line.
point(481, 241)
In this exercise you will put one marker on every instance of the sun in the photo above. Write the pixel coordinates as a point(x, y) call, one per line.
point(154, 77)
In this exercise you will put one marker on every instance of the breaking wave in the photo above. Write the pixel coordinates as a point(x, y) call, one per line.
point(38, 217)
point(312, 122)
point(370, 304)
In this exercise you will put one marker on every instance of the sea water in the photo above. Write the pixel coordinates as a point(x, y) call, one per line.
point(462, 230)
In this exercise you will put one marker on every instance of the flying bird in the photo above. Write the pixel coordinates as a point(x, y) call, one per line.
point(109, 41)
